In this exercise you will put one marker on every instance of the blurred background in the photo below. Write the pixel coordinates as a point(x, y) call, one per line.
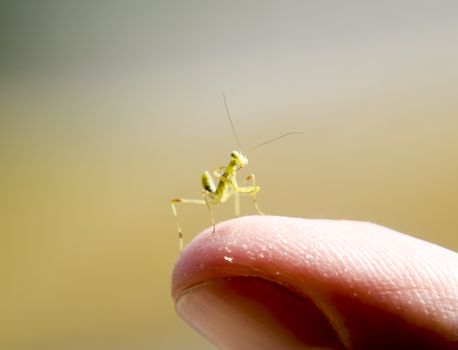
point(108, 109)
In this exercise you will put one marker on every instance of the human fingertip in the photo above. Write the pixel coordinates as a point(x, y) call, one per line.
point(245, 312)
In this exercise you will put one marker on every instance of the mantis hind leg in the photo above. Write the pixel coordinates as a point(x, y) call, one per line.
point(251, 191)
point(210, 211)
point(204, 201)
point(173, 204)
point(236, 204)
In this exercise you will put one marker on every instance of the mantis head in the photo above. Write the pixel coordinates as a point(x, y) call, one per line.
point(239, 159)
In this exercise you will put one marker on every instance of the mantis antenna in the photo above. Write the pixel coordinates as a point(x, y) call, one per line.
point(276, 138)
point(261, 144)
point(230, 121)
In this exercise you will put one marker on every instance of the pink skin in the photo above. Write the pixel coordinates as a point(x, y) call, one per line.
point(265, 282)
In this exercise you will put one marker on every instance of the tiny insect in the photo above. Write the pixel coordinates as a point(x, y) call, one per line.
point(227, 183)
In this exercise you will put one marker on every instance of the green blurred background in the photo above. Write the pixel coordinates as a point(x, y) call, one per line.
point(108, 109)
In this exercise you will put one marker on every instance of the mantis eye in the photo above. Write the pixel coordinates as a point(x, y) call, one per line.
point(235, 155)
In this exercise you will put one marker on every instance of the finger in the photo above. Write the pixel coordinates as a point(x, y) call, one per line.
point(342, 283)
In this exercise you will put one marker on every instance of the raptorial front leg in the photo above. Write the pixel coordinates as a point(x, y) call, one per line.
point(218, 172)
point(173, 203)
point(233, 190)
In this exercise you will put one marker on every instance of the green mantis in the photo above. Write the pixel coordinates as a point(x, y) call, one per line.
point(227, 186)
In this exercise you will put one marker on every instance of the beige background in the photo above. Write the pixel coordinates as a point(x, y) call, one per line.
point(108, 109)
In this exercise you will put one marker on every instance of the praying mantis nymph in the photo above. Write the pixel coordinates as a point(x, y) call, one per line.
point(227, 183)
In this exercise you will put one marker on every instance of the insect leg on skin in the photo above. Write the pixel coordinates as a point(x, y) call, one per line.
point(227, 184)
